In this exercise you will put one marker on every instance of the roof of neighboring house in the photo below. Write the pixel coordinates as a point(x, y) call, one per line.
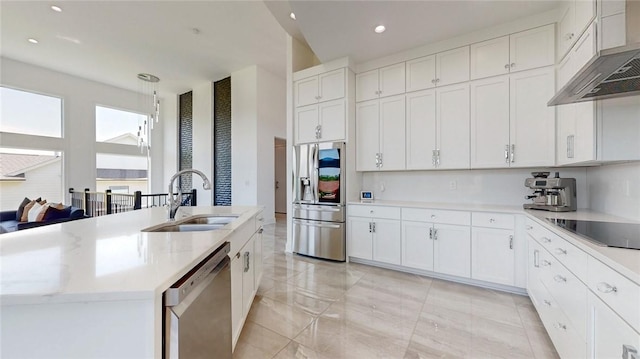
point(124, 139)
point(13, 166)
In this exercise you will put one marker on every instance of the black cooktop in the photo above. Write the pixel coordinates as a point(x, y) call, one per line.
point(611, 234)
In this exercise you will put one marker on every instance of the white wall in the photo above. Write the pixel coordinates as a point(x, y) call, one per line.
point(257, 116)
point(499, 186)
point(615, 189)
point(203, 139)
point(80, 97)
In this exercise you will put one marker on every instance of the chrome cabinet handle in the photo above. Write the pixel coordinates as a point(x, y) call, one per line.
point(606, 288)
point(435, 234)
point(433, 157)
point(317, 225)
point(373, 227)
point(433, 81)
point(511, 242)
point(377, 160)
point(629, 352)
point(560, 326)
point(513, 150)
point(370, 231)
point(433, 216)
point(546, 240)
point(261, 230)
point(491, 220)
point(561, 251)
point(506, 66)
point(546, 263)
point(558, 278)
point(528, 228)
point(431, 233)
point(437, 157)
point(237, 255)
point(536, 258)
point(506, 153)
point(513, 64)
point(381, 162)
point(246, 261)
point(570, 146)
point(547, 302)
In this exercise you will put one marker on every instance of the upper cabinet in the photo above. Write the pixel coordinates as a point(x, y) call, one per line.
point(521, 51)
point(575, 18)
point(324, 87)
point(441, 69)
point(383, 82)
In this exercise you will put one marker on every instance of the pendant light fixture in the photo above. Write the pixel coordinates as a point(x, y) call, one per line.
point(149, 91)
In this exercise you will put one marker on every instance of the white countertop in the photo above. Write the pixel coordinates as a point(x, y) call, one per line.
point(624, 261)
point(105, 258)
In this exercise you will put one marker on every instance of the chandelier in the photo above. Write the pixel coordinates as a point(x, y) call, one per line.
point(149, 91)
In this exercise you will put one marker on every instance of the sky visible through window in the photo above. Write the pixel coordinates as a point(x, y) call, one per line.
point(112, 123)
point(30, 113)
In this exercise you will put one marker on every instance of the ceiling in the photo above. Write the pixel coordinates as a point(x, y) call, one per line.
point(112, 41)
point(335, 29)
point(187, 43)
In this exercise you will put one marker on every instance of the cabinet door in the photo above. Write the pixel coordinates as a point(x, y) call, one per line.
point(360, 238)
point(532, 121)
point(306, 91)
point(493, 255)
point(248, 280)
point(566, 35)
point(532, 49)
point(387, 246)
point(417, 245)
point(392, 133)
point(257, 259)
point(565, 70)
point(421, 129)
point(490, 58)
point(367, 135)
point(452, 66)
point(584, 49)
point(331, 119)
point(236, 297)
point(566, 126)
point(306, 123)
point(490, 122)
point(452, 117)
point(392, 80)
point(452, 247)
point(421, 73)
point(331, 85)
point(584, 143)
point(608, 333)
point(585, 11)
point(367, 86)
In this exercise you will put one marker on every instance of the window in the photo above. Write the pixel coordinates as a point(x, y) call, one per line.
point(30, 113)
point(117, 126)
point(121, 173)
point(29, 173)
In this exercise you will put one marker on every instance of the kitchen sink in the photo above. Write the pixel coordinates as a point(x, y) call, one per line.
point(194, 224)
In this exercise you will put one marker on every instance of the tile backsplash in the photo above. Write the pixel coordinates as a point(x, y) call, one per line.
point(615, 189)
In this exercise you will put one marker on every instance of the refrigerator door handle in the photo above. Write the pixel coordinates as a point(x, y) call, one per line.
point(316, 173)
point(321, 225)
point(322, 209)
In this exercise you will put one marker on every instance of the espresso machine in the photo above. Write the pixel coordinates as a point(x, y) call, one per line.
point(551, 194)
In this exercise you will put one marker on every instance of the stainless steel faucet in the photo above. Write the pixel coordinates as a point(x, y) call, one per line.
point(174, 203)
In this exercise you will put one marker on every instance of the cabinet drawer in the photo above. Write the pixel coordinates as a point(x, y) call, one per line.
point(374, 211)
point(621, 294)
point(493, 220)
point(568, 292)
point(436, 216)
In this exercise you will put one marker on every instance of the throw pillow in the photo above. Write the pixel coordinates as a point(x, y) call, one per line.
point(34, 212)
point(54, 213)
point(44, 210)
point(27, 208)
point(25, 202)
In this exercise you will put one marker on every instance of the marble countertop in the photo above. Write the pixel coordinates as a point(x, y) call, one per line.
point(624, 261)
point(106, 258)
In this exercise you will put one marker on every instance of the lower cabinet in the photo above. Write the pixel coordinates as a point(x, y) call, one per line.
point(610, 336)
point(246, 272)
point(452, 250)
point(417, 245)
point(493, 255)
point(375, 239)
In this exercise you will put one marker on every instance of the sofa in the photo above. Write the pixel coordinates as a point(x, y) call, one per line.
point(9, 222)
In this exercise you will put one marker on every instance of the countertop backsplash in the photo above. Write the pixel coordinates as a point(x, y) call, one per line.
point(615, 189)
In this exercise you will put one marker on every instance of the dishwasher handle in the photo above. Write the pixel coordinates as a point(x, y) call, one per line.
point(196, 276)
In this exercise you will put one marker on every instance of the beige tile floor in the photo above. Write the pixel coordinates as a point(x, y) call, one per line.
point(308, 308)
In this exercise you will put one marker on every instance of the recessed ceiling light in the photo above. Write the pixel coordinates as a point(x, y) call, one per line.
point(380, 29)
point(56, 8)
point(293, 16)
point(33, 41)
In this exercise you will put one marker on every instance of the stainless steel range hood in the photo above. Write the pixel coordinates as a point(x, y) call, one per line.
point(613, 72)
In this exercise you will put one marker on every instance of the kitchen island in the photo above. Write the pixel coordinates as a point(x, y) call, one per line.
point(93, 288)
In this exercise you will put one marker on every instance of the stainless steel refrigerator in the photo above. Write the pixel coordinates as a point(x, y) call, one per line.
point(319, 228)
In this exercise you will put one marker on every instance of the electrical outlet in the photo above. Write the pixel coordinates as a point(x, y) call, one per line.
point(382, 188)
point(453, 185)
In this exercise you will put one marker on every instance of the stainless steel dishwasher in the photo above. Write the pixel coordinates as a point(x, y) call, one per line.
point(197, 311)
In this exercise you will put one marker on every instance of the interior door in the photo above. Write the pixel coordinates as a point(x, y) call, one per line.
point(280, 171)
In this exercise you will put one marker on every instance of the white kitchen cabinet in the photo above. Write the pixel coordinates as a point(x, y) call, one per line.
point(493, 255)
point(257, 258)
point(532, 122)
point(237, 306)
point(380, 134)
point(375, 238)
point(322, 122)
point(452, 250)
point(609, 334)
point(442, 69)
point(383, 82)
point(324, 87)
point(438, 128)
point(417, 245)
point(248, 278)
point(511, 125)
point(576, 16)
point(521, 51)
